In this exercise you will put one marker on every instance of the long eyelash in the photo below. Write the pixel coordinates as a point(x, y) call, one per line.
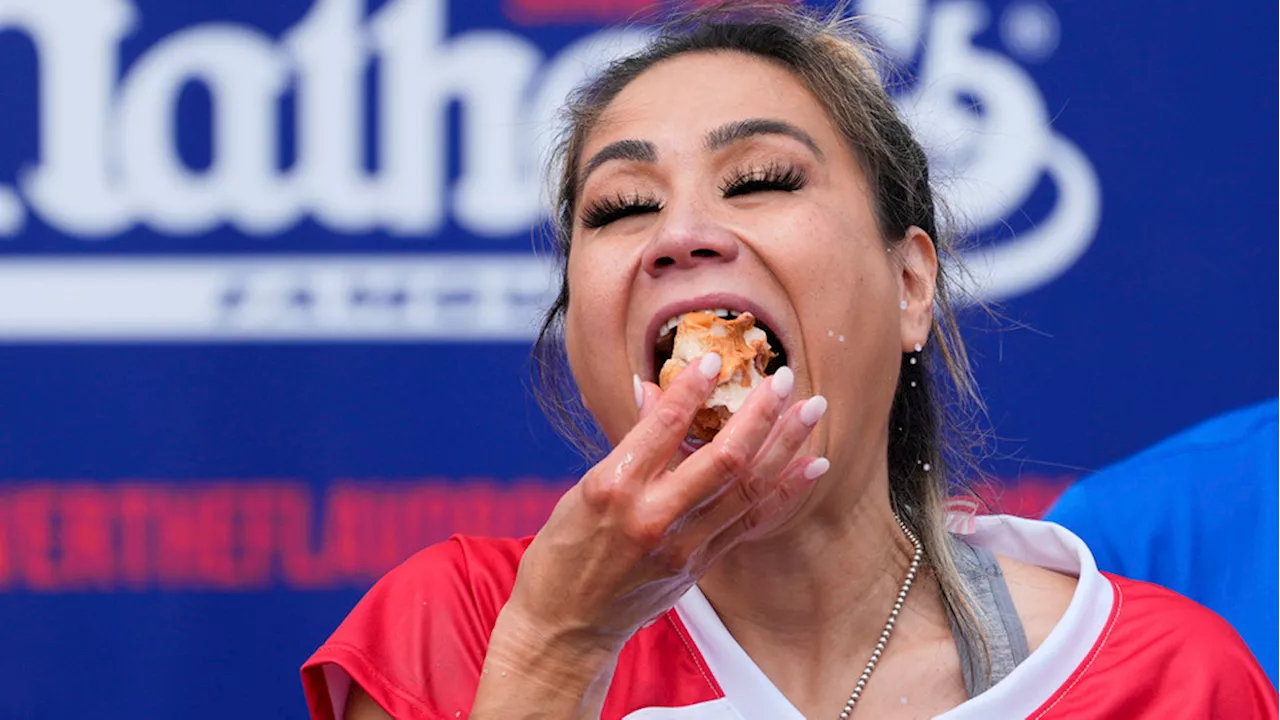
point(607, 210)
point(774, 176)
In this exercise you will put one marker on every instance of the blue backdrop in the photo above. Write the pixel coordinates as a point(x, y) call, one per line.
point(266, 293)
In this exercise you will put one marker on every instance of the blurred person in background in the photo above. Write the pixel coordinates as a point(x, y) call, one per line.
point(798, 563)
point(1196, 513)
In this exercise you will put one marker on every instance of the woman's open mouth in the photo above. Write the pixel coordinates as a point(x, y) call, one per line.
point(750, 351)
point(664, 343)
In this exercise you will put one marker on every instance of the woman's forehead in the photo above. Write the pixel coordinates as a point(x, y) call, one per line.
point(682, 100)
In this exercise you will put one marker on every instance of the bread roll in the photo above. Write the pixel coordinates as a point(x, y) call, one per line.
point(744, 349)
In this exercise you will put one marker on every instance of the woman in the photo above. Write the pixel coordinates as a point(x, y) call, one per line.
point(797, 565)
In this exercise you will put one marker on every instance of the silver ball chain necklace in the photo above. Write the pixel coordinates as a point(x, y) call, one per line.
point(888, 626)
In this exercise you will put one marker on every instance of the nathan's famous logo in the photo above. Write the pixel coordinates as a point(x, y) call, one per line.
point(109, 159)
point(986, 125)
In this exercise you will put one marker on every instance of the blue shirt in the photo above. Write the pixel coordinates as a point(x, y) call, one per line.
point(1197, 514)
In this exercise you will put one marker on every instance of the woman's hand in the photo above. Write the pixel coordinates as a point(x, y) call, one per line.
point(633, 535)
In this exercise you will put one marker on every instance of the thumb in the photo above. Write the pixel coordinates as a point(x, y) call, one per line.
point(650, 395)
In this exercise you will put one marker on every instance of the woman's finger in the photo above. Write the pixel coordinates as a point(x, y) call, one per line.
point(655, 438)
point(798, 476)
point(791, 431)
point(648, 395)
point(766, 473)
point(727, 459)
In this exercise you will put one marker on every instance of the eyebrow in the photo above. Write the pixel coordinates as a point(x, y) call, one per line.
point(727, 134)
point(638, 150)
point(742, 129)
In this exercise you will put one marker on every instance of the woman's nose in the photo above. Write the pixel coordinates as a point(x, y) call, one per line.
point(688, 244)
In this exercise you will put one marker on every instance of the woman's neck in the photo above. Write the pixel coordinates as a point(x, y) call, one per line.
point(822, 570)
point(821, 590)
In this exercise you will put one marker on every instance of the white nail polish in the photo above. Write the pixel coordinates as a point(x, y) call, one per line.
point(817, 468)
point(812, 410)
point(709, 366)
point(639, 389)
point(783, 381)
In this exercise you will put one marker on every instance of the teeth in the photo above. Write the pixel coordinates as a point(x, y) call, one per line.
point(671, 323)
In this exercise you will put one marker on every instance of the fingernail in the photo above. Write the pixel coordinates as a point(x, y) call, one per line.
point(709, 365)
point(639, 390)
point(816, 468)
point(812, 410)
point(783, 381)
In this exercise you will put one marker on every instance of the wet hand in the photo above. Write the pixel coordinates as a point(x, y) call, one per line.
point(635, 534)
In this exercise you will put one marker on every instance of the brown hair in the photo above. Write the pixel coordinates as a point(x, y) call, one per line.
point(936, 394)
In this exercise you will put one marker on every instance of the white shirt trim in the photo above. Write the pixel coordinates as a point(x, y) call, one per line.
point(745, 685)
point(1020, 694)
point(1037, 678)
point(718, 709)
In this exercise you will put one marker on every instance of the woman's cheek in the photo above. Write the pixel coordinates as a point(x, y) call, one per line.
point(595, 346)
point(575, 334)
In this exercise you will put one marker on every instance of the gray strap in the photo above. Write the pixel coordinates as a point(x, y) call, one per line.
point(1006, 638)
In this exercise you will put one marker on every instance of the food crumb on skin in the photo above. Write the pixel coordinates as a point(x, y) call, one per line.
point(622, 466)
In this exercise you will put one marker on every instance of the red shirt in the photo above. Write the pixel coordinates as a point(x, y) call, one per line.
point(1123, 649)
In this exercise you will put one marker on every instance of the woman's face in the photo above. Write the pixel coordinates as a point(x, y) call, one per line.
point(717, 180)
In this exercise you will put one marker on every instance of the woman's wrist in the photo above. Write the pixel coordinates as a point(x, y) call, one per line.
point(534, 672)
point(562, 658)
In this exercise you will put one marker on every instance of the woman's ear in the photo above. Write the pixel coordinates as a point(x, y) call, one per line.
point(918, 276)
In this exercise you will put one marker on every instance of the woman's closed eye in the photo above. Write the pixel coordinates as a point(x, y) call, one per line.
point(764, 178)
point(608, 209)
point(774, 177)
